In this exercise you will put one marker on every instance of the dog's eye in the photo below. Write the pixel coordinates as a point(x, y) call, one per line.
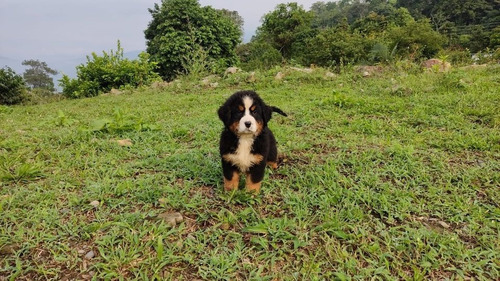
point(241, 108)
point(252, 109)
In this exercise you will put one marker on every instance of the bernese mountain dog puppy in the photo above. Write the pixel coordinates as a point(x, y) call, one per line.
point(246, 143)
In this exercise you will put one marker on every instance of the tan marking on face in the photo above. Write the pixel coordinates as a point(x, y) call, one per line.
point(252, 186)
point(260, 127)
point(234, 127)
point(233, 182)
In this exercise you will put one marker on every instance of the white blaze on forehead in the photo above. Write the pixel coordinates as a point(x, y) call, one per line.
point(242, 128)
point(247, 102)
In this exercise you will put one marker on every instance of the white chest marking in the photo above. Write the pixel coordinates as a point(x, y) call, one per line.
point(242, 157)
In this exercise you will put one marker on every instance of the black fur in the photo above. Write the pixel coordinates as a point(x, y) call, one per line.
point(264, 143)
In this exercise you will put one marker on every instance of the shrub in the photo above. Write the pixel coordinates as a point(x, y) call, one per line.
point(12, 87)
point(102, 73)
point(416, 40)
point(258, 55)
point(336, 46)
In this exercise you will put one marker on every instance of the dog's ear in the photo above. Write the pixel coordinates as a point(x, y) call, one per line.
point(267, 113)
point(224, 113)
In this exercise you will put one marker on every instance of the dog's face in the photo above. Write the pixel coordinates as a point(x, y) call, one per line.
point(244, 113)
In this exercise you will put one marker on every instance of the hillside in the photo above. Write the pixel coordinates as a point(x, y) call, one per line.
point(393, 176)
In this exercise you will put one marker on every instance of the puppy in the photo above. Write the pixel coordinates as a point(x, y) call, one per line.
point(246, 143)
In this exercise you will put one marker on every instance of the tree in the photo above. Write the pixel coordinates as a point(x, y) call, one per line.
point(38, 75)
point(287, 25)
point(181, 29)
point(12, 87)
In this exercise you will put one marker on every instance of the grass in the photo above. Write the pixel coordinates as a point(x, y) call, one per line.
point(394, 176)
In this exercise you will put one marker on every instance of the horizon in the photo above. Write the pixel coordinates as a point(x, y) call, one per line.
point(46, 31)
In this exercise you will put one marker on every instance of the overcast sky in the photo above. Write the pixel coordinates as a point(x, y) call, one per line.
point(44, 29)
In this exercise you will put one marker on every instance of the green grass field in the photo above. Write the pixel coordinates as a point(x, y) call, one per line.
point(393, 176)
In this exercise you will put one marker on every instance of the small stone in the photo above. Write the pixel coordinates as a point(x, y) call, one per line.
point(125, 142)
point(279, 76)
point(330, 75)
point(214, 85)
point(443, 224)
point(94, 203)
point(171, 218)
point(251, 78)
point(90, 255)
point(366, 74)
point(232, 70)
point(81, 252)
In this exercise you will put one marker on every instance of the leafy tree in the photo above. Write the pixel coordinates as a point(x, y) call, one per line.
point(286, 26)
point(37, 76)
point(111, 70)
point(12, 87)
point(235, 17)
point(180, 27)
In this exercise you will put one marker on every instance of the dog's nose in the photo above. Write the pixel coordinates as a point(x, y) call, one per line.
point(248, 124)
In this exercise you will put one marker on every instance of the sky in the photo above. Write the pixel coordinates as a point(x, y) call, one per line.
point(65, 31)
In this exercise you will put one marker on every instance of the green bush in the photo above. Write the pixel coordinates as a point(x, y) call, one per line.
point(258, 55)
point(416, 40)
point(12, 87)
point(103, 73)
point(336, 46)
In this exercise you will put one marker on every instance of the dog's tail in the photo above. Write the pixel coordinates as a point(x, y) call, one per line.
point(277, 110)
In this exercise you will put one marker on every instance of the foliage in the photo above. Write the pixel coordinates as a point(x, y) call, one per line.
point(120, 123)
point(416, 40)
point(258, 55)
point(111, 70)
point(37, 76)
point(288, 25)
point(336, 46)
point(180, 26)
point(12, 87)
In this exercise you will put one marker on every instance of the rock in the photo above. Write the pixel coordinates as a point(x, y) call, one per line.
point(171, 218)
point(443, 224)
point(330, 75)
point(115, 92)
point(435, 64)
point(90, 255)
point(305, 70)
point(94, 203)
point(81, 252)
point(232, 70)
point(125, 142)
point(214, 85)
point(369, 70)
point(251, 78)
point(279, 76)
